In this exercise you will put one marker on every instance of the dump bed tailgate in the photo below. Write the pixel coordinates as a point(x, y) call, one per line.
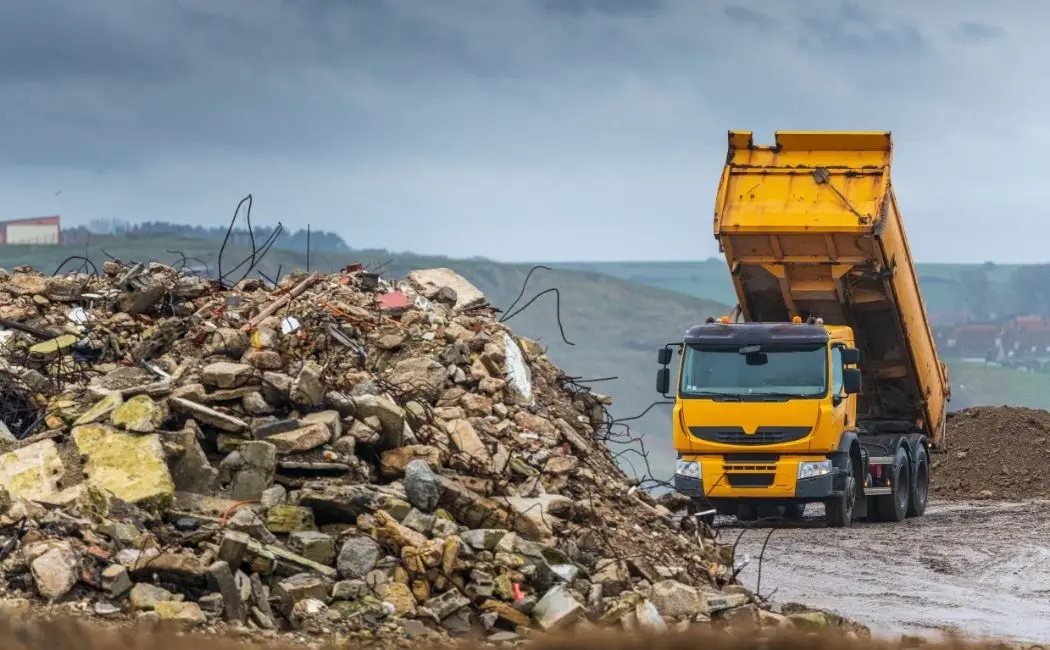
point(810, 227)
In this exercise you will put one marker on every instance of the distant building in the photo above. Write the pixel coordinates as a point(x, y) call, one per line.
point(39, 230)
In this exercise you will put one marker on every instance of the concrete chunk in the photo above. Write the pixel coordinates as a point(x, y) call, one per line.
point(131, 466)
point(32, 472)
point(56, 571)
point(101, 410)
point(678, 600)
point(183, 614)
point(302, 439)
point(140, 414)
point(557, 609)
point(430, 282)
point(227, 375)
point(469, 443)
point(220, 579)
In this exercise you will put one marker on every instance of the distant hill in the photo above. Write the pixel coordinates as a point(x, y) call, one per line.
point(617, 314)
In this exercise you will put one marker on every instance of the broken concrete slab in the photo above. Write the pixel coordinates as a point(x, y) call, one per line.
point(557, 609)
point(32, 472)
point(299, 440)
point(131, 466)
point(140, 414)
point(101, 410)
point(430, 282)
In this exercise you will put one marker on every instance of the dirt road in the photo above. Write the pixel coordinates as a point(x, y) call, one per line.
point(979, 568)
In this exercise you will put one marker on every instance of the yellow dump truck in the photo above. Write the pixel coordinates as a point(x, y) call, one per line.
point(830, 390)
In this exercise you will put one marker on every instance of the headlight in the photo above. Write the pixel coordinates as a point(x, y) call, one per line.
point(813, 469)
point(687, 468)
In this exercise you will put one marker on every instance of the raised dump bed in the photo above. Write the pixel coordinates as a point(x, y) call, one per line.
point(810, 227)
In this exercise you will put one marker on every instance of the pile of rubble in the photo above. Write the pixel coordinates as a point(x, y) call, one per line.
point(335, 455)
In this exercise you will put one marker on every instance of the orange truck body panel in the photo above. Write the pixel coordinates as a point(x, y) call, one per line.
point(811, 227)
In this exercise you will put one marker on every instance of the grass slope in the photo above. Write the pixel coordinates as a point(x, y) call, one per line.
point(942, 284)
point(616, 325)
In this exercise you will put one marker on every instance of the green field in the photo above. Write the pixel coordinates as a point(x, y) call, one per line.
point(977, 384)
point(616, 314)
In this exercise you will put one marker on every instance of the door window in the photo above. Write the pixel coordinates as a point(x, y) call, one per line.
point(836, 370)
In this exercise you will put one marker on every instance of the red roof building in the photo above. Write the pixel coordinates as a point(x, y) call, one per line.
point(38, 230)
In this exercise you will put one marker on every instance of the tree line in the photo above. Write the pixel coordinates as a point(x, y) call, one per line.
point(322, 241)
point(1025, 293)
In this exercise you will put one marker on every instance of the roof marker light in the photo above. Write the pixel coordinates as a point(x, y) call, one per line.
point(820, 321)
point(724, 319)
point(796, 319)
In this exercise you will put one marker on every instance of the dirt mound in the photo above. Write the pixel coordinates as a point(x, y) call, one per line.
point(1000, 452)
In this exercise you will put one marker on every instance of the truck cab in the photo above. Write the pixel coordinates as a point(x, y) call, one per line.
point(789, 388)
point(830, 389)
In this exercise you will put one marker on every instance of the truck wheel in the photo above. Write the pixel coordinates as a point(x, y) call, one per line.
point(894, 506)
point(769, 512)
point(746, 512)
point(838, 511)
point(794, 511)
point(920, 486)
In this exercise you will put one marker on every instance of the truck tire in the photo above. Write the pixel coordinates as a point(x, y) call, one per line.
point(767, 512)
point(920, 489)
point(794, 511)
point(746, 512)
point(894, 506)
point(838, 511)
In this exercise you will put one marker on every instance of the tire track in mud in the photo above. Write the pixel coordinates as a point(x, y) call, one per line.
point(979, 568)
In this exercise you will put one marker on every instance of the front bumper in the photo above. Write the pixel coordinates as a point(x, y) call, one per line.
point(773, 480)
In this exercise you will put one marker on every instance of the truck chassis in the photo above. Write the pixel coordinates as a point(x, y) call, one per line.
point(894, 484)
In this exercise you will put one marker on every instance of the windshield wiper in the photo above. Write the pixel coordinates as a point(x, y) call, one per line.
point(775, 397)
point(721, 397)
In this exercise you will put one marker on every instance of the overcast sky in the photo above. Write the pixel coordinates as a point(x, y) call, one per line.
point(516, 129)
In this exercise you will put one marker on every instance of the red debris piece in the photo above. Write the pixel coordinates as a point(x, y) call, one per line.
point(393, 301)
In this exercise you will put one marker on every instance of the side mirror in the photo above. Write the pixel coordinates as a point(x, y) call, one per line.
point(851, 381)
point(663, 356)
point(663, 380)
point(850, 356)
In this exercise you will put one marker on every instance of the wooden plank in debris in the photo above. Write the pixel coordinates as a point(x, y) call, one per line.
point(270, 309)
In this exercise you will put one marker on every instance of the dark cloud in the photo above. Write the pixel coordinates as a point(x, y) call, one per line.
point(580, 8)
point(750, 17)
point(484, 127)
point(978, 32)
point(855, 32)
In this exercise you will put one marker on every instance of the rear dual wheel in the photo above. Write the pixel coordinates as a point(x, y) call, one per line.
point(921, 484)
point(895, 505)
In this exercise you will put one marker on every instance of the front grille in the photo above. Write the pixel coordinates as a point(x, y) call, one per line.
point(750, 480)
point(752, 458)
point(737, 467)
point(761, 436)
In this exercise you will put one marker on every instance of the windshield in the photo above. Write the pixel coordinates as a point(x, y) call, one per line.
point(754, 371)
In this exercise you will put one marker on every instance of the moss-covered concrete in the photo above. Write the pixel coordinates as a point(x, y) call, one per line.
point(32, 472)
point(131, 466)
